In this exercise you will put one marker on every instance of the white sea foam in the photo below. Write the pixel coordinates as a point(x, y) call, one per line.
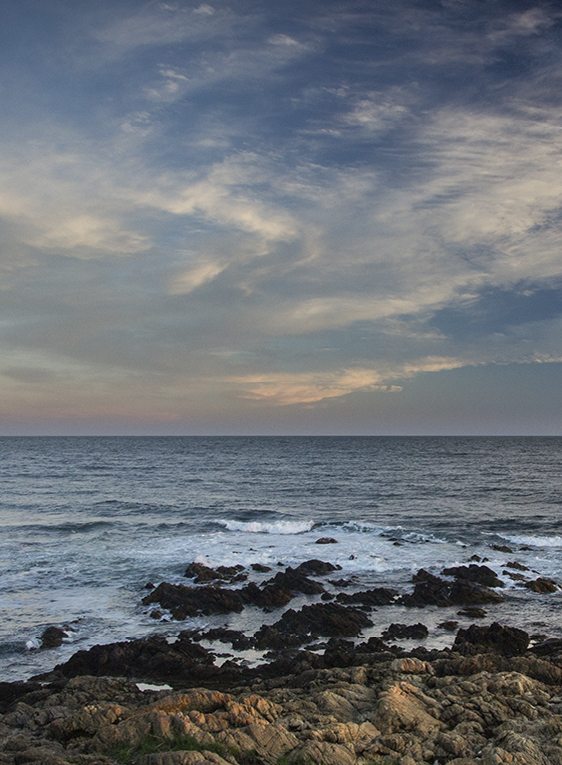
point(534, 541)
point(277, 527)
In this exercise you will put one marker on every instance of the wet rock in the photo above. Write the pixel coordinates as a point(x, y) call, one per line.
point(429, 591)
point(508, 641)
point(502, 548)
point(236, 639)
point(473, 613)
point(450, 625)
point(326, 541)
point(466, 592)
point(548, 647)
point(320, 619)
point(152, 658)
point(260, 568)
point(201, 573)
point(195, 601)
point(316, 567)
point(403, 631)
point(268, 597)
point(52, 637)
point(518, 566)
point(541, 585)
point(293, 580)
point(379, 596)
point(514, 577)
point(480, 574)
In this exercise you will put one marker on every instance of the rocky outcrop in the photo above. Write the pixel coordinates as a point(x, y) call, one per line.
point(488, 709)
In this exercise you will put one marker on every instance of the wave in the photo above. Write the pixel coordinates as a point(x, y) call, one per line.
point(276, 527)
point(533, 541)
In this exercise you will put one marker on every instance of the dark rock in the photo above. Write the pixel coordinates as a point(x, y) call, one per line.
point(156, 614)
point(151, 657)
point(295, 581)
point(10, 692)
point(326, 541)
point(270, 596)
point(424, 576)
point(52, 637)
point(476, 558)
point(342, 582)
point(327, 596)
point(450, 626)
point(201, 573)
point(515, 577)
point(502, 548)
point(518, 566)
point(236, 639)
point(508, 641)
point(428, 592)
point(329, 619)
point(149, 586)
point(380, 596)
point(316, 567)
point(229, 572)
point(541, 585)
point(466, 592)
point(194, 601)
point(480, 574)
point(260, 568)
point(472, 613)
point(404, 631)
point(548, 647)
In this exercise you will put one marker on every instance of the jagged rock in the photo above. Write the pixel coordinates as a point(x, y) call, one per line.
point(472, 612)
point(329, 619)
point(518, 566)
point(429, 591)
point(195, 601)
point(294, 580)
point(270, 596)
point(548, 647)
point(509, 641)
point(403, 631)
point(326, 541)
point(323, 752)
point(379, 596)
point(502, 548)
point(464, 592)
point(480, 574)
point(316, 567)
point(449, 625)
point(541, 585)
point(260, 568)
point(52, 637)
point(235, 638)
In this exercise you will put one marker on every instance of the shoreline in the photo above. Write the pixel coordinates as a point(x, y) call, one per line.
point(325, 695)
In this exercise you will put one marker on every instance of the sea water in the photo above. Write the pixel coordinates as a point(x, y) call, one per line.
point(87, 522)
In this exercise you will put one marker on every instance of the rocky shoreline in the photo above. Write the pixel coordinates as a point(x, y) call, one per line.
point(323, 696)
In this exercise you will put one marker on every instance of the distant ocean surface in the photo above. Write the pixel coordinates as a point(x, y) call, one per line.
point(87, 521)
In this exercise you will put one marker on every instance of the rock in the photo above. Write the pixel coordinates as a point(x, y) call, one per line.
point(502, 548)
point(195, 601)
point(548, 647)
point(480, 574)
point(473, 612)
point(541, 585)
point(329, 619)
point(430, 591)
point(450, 626)
point(270, 596)
point(260, 568)
point(294, 580)
point(201, 573)
point(52, 637)
point(235, 638)
point(508, 641)
point(518, 566)
point(326, 541)
point(316, 567)
point(323, 752)
point(379, 596)
point(466, 592)
point(403, 631)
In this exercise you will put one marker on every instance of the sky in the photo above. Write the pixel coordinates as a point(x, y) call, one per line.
point(257, 217)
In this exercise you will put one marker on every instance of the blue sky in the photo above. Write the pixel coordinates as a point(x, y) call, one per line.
point(312, 217)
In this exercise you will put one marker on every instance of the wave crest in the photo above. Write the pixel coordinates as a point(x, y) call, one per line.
point(277, 527)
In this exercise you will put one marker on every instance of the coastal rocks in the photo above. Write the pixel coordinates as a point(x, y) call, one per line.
point(185, 601)
point(201, 573)
point(321, 619)
point(326, 541)
point(402, 631)
point(294, 580)
point(52, 637)
point(379, 596)
point(316, 567)
point(509, 641)
point(480, 574)
point(541, 585)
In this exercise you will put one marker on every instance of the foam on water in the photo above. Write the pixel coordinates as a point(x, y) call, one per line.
point(276, 527)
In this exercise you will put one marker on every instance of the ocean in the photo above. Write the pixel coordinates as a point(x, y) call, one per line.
point(87, 522)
